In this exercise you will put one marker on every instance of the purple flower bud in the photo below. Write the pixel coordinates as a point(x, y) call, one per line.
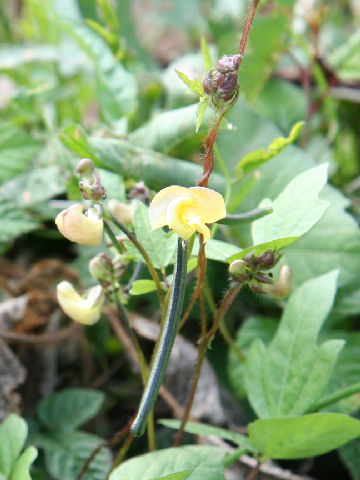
point(227, 82)
point(262, 278)
point(229, 64)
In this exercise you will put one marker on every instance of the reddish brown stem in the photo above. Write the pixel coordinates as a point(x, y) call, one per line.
point(204, 343)
point(201, 269)
point(209, 156)
point(247, 27)
point(110, 443)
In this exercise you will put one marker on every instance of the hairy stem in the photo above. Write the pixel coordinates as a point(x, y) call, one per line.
point(166, 341)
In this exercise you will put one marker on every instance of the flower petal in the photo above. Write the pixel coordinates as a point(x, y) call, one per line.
point(210, 204)
point(79, 228)
point(159, 205)
point(175, 217)
point(83, 310)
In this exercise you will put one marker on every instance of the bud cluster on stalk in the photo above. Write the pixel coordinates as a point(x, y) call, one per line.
point(251, 270)
point(221, 82)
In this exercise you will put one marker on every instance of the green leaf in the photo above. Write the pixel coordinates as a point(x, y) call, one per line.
point(21, 470)
point(15, 56)
point(203, 463)
point(66, 453)
point(70, 408)
point(165, 130)
point(296, 209)
point(293, 372)
point(206, 54)
point(160, 246)
point(139, 287)
point(255, 159)
point(14, 222)
point(175, 476)
point(75, 139)
point(346, 58)
point(263, 247)
point(117, 88)
point(200, 112)
point(155, 169)
point(195, 86)
point(350, 455)
point(36, 185)
point(13, 433)
point(302, 437)
point(334, 242)
point(347, 370)
point(253, 328)
point(203, 429)
point(17, 151)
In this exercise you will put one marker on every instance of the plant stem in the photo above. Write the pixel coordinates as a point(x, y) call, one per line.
point(233, 457)
point(144, 369)
point(141, 249)
point(250, 216)
point(204, 343)
point(335, 397)
point(201, 268)
point(223, 328)
point(247, 26)
point(166, 341)
point(197, 372)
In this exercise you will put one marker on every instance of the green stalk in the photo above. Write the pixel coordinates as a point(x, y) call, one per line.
point(335, 397)
point(250, 216)
point(141, 249)
point(166, 341)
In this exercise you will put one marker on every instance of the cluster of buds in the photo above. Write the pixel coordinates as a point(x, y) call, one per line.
point(108, 272)
point(251, 270)
point(89, 184)
point(140, 191)
point(221, 82)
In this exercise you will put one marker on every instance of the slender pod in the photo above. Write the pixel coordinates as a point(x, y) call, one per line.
point(166, 341)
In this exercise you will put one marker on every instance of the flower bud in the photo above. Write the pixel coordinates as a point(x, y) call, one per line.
point(228, 64)
point(90, 184)
point(238, 269)
point(84, 309)
point(85, 169)
point(121, 211)
point(282, 287)
point(83, 228)
point(101, 268)
point(228, 86)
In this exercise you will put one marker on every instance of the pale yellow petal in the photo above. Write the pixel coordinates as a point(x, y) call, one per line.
point(159, 205)
point(83, 310)
point(176, 217)
point(210, 204)
point(79, 228)
point(201, 228)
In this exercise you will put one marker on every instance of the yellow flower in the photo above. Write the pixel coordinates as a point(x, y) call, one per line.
point(84, 309)
point(186, 210)
point(75, 225)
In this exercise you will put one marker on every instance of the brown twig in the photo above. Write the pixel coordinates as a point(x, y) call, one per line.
point(110, 443)
point(253, 473)
point(41, 338)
